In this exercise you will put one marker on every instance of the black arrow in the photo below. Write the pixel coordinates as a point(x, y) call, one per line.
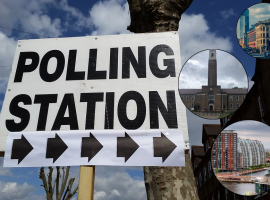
point(55, 147)
point(90, 147)
point(20, 149)
point(126, 147)
point(163, 147)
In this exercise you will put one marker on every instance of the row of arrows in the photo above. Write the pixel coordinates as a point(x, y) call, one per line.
point(90, 146)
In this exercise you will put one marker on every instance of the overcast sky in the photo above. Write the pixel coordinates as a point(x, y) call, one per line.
point(258, 12)
point(252, 130)
point(205, 25)
point(230, 72)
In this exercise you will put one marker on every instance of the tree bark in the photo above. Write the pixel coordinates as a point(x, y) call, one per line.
point(163, 183)
point(171, 183)
point(156, 15)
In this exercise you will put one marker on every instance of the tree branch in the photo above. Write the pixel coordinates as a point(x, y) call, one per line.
point(49, 188)
point(50, 179)
point(64, 181)
point(43, 178)
point(57, 182)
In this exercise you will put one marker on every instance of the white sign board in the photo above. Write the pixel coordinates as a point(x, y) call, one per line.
point(124, 82)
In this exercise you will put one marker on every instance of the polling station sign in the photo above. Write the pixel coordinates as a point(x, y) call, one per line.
point(124, 82)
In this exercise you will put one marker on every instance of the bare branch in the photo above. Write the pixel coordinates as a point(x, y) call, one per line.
point(70, 183)
point(73, 193)
point(49, 188)
point(43, 178)
point(64, 181)
point(50, 179)
point(57, 182)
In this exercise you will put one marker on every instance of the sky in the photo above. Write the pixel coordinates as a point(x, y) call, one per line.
point(258, 12)
point(205, 25)
point(252, 130)
point(230, 72)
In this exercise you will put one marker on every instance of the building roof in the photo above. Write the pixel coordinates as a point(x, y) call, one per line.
point(228, 91)
point(198, 150)
point(235, 91)
point(189, 91)
point(212, 129)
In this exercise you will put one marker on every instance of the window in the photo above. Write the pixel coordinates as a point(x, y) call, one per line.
point(264, 41)
point(206, 145)
point(267, 34)
point(263, 28)
point(211, 96)
point(243, 98)
point(200, 179)
point(237, 105)
point(237, 98)
point(263, 34)
point(261, 108)
point(231, 98)
point(209, 169)
point(231, 106)
point(204, 174)
point(267, 28)
point(187, 98)
point(192, 98)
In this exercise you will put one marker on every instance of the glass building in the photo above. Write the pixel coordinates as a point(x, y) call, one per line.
point(244, 23)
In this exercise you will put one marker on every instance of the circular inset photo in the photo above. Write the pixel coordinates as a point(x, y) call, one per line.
point(253, 30)
point(213, 84)
point(240, 157)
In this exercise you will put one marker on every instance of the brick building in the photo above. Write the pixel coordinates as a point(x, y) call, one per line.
point(256, 105)
point(241, 42)
point(225, 153)
point(212, 97)
point(262, 34)
point(251, 39)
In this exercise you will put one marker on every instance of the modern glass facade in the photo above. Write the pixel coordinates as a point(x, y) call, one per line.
point(244, 23)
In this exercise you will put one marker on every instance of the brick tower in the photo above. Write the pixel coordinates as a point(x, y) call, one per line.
point(212, 68)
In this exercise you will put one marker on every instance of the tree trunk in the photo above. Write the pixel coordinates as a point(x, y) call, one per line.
point(163, 183)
